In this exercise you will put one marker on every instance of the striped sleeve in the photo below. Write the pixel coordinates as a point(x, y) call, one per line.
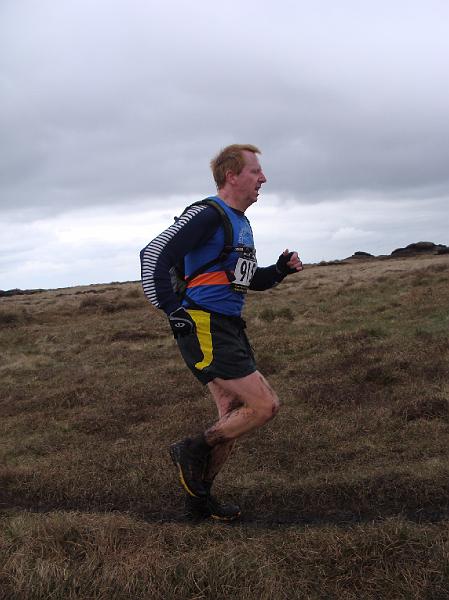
point(193, 228)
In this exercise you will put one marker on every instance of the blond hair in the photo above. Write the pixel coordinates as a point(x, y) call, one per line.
point(230, 159)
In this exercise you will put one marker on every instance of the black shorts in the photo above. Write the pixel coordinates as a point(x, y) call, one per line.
point(219, 348)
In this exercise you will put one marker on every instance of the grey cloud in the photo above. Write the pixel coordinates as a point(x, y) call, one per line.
point(112, 102)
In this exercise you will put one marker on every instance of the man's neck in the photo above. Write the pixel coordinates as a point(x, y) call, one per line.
point(229, 198)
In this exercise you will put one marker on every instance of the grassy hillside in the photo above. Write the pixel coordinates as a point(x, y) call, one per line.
point(345, 494)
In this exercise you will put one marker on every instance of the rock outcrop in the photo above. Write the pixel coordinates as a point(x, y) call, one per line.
point(416, 249)
point(360, 254)
point(17, 292)
point(420, 248)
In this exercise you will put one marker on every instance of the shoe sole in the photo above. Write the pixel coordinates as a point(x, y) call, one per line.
point(198, 515)
point(218, 518)
point(204, 516)
point(175, 458)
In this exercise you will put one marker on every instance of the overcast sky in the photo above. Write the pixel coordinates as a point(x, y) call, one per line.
point(110, 112)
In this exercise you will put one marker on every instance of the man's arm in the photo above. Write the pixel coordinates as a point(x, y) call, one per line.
point(267, 277)
point(191, 230)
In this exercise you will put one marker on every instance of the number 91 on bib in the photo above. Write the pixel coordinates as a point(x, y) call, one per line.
point(244, 271)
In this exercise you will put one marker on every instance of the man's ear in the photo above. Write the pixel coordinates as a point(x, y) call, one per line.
point(230, 177)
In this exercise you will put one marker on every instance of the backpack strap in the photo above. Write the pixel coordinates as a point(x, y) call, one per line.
point(228, 239)
point(225, 221)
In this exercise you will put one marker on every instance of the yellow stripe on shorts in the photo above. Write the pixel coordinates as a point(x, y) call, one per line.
point(202, 322)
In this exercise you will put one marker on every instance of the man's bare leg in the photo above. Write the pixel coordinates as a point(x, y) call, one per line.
point(251, 403)
point(243, 405)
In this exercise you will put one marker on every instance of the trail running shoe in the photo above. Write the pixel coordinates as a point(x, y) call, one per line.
point(202, 508)
point(191, 465)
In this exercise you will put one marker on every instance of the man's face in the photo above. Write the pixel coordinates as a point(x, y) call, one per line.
point(249, 181)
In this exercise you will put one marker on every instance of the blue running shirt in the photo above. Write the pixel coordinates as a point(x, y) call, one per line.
point(198, 236)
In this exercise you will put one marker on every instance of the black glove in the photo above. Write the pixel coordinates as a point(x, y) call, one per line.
point(181, 322)
point(281, 265)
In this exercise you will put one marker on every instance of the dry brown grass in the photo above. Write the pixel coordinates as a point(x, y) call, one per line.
point(345, 494)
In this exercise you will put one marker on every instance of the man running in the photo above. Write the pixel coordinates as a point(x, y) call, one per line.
point(207, 321)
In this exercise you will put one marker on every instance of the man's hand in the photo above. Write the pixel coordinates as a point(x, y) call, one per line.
point(288, 262)
point(181, 322)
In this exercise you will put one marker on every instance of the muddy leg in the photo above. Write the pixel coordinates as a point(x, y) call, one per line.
point(243, 405)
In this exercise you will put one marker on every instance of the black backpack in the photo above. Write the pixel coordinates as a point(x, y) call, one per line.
point(177, 274)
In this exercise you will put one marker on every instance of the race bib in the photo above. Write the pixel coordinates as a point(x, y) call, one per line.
point(244, 271)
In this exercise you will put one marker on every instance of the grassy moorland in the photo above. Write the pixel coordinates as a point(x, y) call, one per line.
point(345, 494)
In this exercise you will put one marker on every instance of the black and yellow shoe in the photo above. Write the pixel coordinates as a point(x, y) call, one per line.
point(191, 463)
point(203, 508)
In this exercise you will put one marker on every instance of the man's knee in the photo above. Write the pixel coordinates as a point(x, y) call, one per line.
point(268, 408)
point(255, 400)
point(276, 405)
